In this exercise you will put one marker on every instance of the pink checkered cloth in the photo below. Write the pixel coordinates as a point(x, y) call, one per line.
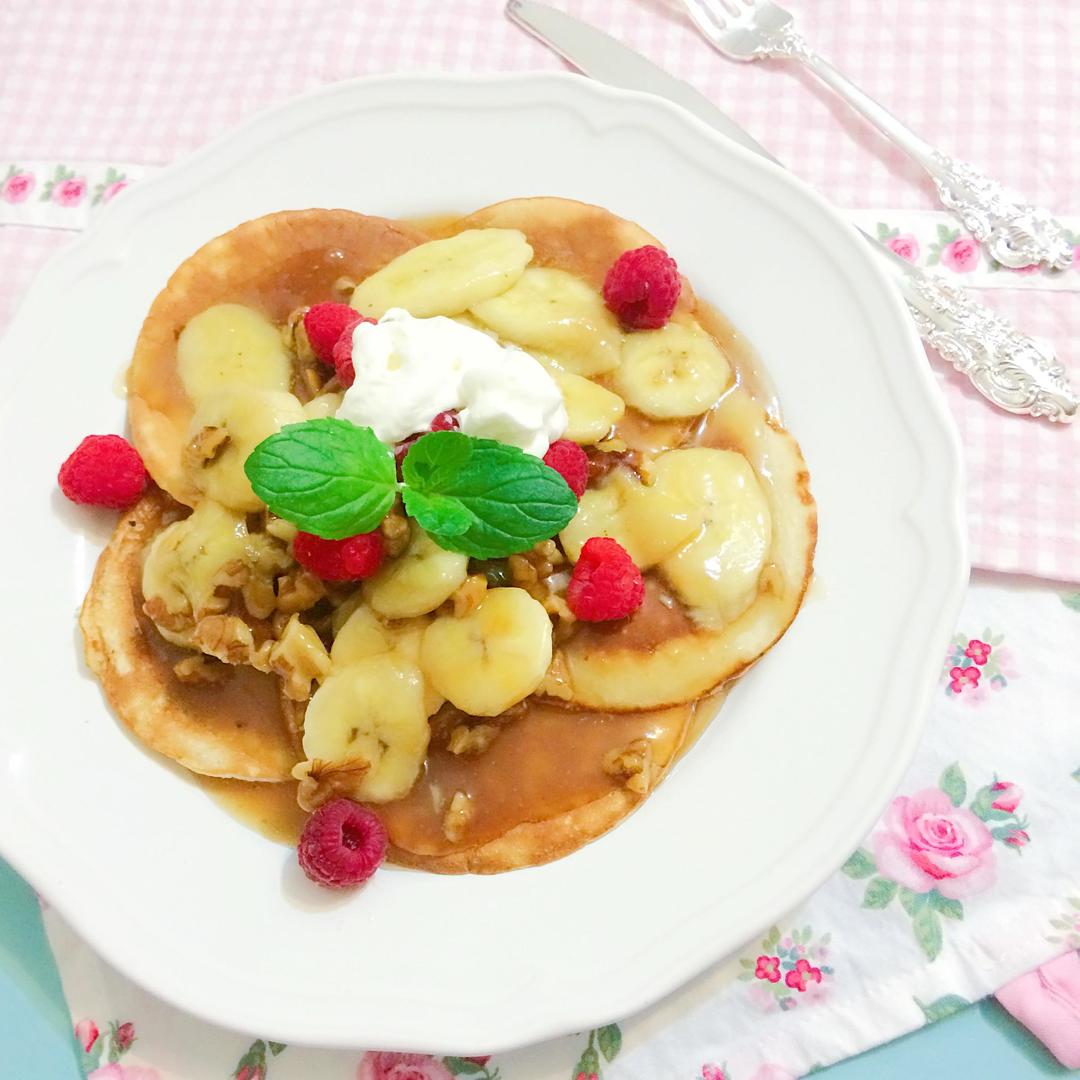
point(992, 82)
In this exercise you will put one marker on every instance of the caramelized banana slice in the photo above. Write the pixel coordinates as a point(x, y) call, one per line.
point(445, 277)
point(559, 313)
point(673, 372)
point(491, 658)
point(368, 722)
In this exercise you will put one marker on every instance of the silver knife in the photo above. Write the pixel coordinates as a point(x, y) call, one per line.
point(1014, 371)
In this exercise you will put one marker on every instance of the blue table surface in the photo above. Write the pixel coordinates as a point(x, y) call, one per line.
point(981, 1042)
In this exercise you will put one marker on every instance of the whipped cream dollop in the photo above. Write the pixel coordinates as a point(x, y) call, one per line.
point(409, 370)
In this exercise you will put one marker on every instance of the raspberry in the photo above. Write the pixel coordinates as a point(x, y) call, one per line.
point(342, 844)
point(642, 288)
point(341, 354)
point(446, 421)
point(571, 463)
point(605, 584)
point(104, 470)
point(340, 560)
point(324, 324)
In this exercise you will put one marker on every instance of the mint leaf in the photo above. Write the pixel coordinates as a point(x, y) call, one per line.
point(327, 477)
point(437, 515)
point(512, 500)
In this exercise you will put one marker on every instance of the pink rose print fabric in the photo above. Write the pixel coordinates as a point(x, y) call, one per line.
point(928, 843)
point(388, 1066)
point(17, 186)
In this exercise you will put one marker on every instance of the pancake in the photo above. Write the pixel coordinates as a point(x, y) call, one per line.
point(232, 728)
point(617, 704)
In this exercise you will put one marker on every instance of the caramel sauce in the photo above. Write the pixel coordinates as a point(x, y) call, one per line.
point(546, 760)
point(269, 809)
point(244, 708)
point(544, 763)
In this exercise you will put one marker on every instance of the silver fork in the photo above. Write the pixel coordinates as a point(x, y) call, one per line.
point(1015, 233)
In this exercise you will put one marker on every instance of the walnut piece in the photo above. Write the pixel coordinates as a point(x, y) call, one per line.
point(531, 569)
point(202, 449)
point(300, 658)
point(467, 596)
point(298, 590)
point(178, 622)
point(200, 669)
point(226, 637)
point(472, 739)
point(634, 765)
point(457, 817)
point(395, 532)
point(320, 781)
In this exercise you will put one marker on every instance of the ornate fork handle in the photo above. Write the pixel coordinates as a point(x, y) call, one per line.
point(1016, 234)
point(1009, 368)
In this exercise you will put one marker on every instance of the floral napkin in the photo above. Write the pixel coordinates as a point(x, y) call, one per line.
point(969, 879)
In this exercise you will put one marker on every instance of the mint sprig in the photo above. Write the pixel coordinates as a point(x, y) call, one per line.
point(481, 497)
point(476, 496)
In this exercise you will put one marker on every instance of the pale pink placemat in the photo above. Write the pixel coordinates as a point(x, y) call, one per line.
point(993, 82)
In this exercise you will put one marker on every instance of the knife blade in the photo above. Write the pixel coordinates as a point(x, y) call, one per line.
point(1013, 371)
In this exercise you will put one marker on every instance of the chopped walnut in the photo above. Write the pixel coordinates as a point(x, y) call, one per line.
point(467, 596)
point(227, 637)
point(531, 569)
point(259, 657)
point(321, 781)
point(298, 590)
point(633, 765)
point(300, 658)
point(259, 597)
point(281, 529)
point(457, 817)
point(344, 285)
point(472, 739)
point(204, 448)
point(395, 532)
point(555, 604)
point(200, 669)
point(177, 622)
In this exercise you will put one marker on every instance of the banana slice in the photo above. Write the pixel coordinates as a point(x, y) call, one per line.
point(246, 417)
point(672, 372)
point(229, 346)
point(651, 522)
point(184, 559)
point(560, 314)
point(444, 277)
point(492, 658)
point(418, 581)
point(368, 719)
point(363, 635)
point(591, 410)
point(322, 406)
point(716, 574)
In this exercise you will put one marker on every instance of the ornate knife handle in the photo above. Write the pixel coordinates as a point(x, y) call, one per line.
point(1015, 233)
point(1007, 367)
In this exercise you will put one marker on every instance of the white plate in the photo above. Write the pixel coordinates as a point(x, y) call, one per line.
point(778, 792)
